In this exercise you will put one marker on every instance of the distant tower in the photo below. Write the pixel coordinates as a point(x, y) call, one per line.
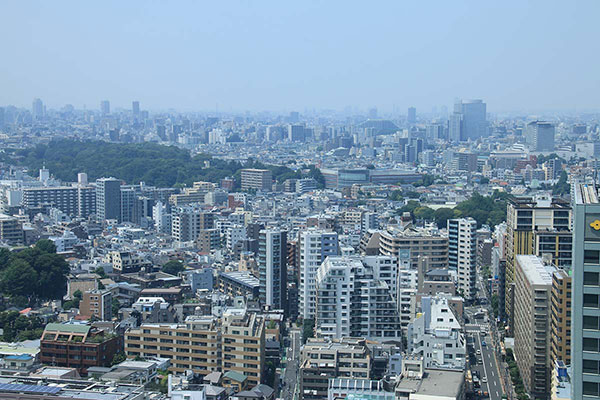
point(82, 179)
point(135, 107)
point(44, 175)
point(108, 199)
point(37, 109)
point(412, 115)
point(105, 107)
point(474, 122)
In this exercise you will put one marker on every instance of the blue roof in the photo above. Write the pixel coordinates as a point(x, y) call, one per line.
point(10, 387)
point(20, 357)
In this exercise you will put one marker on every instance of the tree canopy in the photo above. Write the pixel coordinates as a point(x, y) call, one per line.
point(173, 267)
point(36, 273)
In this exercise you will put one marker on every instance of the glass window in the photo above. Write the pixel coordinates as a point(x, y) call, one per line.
point(590, 322)
point(590, 388)
point(590, 344)
point(590, 367)
point(590, 300)
point(591, 256)
point(590, 278)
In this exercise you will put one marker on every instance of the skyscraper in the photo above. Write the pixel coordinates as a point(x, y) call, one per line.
point(474, 123)
point(37, 109)
point(540, 136)
point(455, 128)
point(412, 115)
point(585, 330)
point(135, 107)
point(108, 199)
point(105, 107)
point(462, 251)
point(272, 268)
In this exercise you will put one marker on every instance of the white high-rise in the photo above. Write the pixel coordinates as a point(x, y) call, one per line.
point(462, 253)
point(314, 245)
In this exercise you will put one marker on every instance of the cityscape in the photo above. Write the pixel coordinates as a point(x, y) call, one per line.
point(434, 247)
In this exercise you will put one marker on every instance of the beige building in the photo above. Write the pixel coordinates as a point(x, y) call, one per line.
point(124, 262)
point(532, 319)
point(243, 344)
point(195, 194)
point(193, 345)
point(260, 179)
point(560, 349)
point(205, 344)
point(207, 240)
point(421, 242)
point(97, 303)
point(524, 217)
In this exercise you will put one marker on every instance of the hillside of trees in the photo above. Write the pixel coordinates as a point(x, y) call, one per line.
point(152, 163)
point(489, 210)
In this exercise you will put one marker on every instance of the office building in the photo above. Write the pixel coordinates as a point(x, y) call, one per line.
point(585, 341)
point(411, 116)
point(462, 253)
point(37, 109)
point(560, 326)
point(105, 107)
point(455, 128)
point(314, 245)
point(524, 217)
point(532, 323)
point(296, 133)
point(108, 199)
point(540, 136)
point(135, 108)
point(259, 179)
point(464, 161)
point(473, 119)
point(272, 268)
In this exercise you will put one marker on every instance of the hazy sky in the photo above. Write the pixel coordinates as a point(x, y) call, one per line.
point(284, 55)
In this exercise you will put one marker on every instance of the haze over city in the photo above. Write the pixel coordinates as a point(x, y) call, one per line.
point(254, 56)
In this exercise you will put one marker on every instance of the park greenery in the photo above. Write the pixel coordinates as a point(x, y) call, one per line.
point(33, 274)
point(152, 163)
point(17, 327)
point(488, 210)
point(515, 376)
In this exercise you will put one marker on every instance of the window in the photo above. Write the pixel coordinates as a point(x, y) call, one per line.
point(590, 300)
point(590, 278)
point(590, 388)
point(590, 322)
point(590, 344)
point(591, 256)
point(590, 367)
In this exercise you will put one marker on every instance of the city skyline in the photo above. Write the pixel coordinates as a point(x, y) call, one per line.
point(270, 56)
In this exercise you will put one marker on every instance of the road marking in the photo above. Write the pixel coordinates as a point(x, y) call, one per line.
point(483, 359)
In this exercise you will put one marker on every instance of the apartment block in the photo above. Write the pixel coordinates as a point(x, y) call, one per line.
point(259, 179)
point(561, 317)
point(421, 242)
point(96, 303)
point(462, 253)
point(532, 319)
point(11, 230)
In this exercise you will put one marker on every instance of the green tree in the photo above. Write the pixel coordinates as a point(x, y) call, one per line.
point(561, 187)
point(173, 267)
point(46, 246)
point(100, 272)
point(118, 358)
point(18, 279)
point(115, 307)
point(442, 215)
point(308, 329)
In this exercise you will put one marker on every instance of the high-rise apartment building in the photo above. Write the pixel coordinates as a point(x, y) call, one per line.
point(96, 303)
point(187, 223)
point(532, 323)
point(585, 354)
point(37, 109)
point(72, 200)
point(272, 268)
point(108, 199)
point(11, 230)
point(355, 300)
point(462, 253)
point(314, 245)
point(411, 117)
point(540, 136)
point(525, 217)
point(560, 334)
point(259, 179)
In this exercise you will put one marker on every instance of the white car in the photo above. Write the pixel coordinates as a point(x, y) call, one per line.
point(478, 352)
point(484, 379)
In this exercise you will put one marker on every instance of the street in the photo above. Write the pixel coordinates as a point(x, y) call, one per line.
point(290, 378)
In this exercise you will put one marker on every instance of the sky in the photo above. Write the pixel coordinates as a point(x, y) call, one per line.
point(297, 55)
